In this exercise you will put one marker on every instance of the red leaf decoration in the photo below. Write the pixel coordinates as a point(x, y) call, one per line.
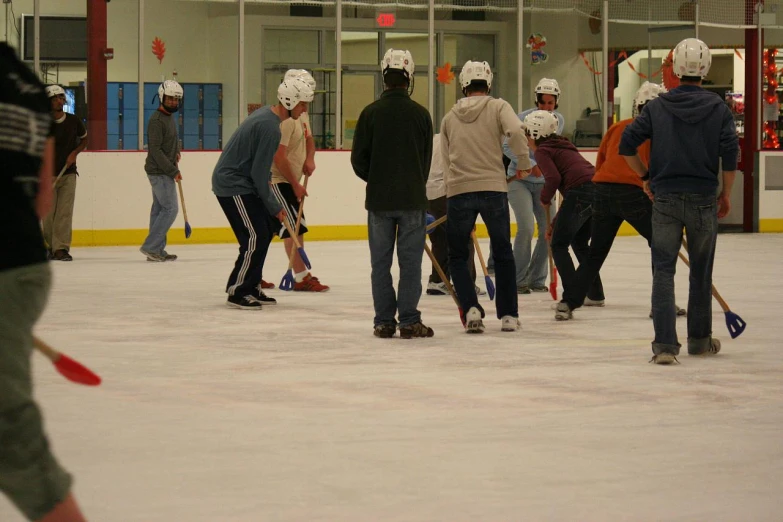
point(670, 80)
point(444, 74)
point(159, 49)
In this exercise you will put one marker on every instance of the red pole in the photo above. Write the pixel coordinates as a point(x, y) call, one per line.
point(752, 125)
point(96, 74)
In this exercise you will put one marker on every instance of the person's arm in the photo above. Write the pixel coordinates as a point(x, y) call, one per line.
point(636, 133)
point(309, 164)
point(260, 171)
point(361, 151)
point(444, 151)
point(155, 132)
point(729, 146)
point(82, 132)
point(551, 177)
point(45, 196)
point(517, 142)
point(426, 157)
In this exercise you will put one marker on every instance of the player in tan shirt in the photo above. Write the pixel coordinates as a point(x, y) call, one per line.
point(294, 159)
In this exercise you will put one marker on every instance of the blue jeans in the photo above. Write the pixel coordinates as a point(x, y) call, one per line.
point(698, 214)
point(463, 210)
point(525, 200)
point(572, 228)
point(163, 213)
point(407, 229)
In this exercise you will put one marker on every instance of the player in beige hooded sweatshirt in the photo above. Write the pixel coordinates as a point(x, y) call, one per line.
point(472, 135)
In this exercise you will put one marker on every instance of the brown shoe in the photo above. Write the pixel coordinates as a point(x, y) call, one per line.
point(265, 285)
point(62, 255)
point(416, 330)
point(310, 284)
point(384, 331)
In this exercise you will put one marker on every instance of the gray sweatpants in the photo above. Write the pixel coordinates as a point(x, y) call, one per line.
point(29, 473)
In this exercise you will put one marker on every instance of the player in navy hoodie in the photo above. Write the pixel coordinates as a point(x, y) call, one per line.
point(690, 130)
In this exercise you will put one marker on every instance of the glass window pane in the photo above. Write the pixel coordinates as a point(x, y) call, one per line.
point(459, 48)
point(360, 48)
point(289, 46)
point(416, 43)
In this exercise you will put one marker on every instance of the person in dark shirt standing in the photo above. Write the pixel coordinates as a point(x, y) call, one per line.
point(30, 475)
point(392, 151)
point(163, 171)
point(70, 138)
point(566, 170)
point(690, 129)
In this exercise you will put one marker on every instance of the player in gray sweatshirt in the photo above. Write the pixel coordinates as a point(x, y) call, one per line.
point(472, 135)
point(241, 183)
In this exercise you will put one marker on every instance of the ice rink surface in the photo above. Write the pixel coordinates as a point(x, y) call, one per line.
point(297, 413)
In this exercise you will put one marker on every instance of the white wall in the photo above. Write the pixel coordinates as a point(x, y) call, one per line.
point(113, 192)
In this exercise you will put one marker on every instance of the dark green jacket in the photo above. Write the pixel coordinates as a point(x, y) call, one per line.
point(392, 151)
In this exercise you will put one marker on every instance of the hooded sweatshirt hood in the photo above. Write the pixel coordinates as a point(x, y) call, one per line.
point(468, 109)
point(690, 103)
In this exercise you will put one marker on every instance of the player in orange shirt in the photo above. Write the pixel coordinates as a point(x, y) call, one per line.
point(619, 196)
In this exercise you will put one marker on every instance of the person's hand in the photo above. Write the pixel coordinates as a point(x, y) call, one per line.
point(299, 191)
point(646, 188)
point(178, 177)
point(281, 215)
point(522, 174)
point(537, 172)
point(724, 205)
point(309, 167)
point(71, 159)
point(546, 205)
point(548, 234)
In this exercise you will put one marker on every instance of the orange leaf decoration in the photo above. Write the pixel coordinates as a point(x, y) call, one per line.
point(444, 74)
point(670, 80)
point(159, 49)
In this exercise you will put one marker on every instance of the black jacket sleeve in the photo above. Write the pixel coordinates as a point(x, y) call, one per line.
point(361, 152)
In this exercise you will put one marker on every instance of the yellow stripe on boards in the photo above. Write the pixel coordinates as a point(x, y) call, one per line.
point(200, 236)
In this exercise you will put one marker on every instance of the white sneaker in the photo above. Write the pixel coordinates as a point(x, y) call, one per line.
point(473, 322)
point(591, 302)
point(563, 312)
point(509, 324)
point(437, 289)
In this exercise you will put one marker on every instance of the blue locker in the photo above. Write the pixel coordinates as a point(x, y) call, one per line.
point(130, 142)
point(113, 95)
point(112, 142)
point(212, 97)
point(211, 142)
point(211, 119)
point(192, 98)
point(151, 96)
point(113, 121)
point(190, 142)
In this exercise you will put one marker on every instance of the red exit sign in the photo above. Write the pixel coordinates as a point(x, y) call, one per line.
point(385, 19)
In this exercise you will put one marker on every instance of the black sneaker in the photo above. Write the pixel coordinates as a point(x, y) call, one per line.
point(416, 330)
point(245, 302)
point(262, 298)
point(169, 257)
point(384, 331)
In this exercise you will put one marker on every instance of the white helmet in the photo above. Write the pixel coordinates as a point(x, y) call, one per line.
point(540, 124)
point(302, 74)
point(399, 60)
point(692, 57)
point(169, 88)
point(648, 91)
point(475, 71)
point(548, 86)
point(54, 90)
point(293, 91)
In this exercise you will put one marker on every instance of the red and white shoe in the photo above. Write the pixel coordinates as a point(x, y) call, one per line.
point(310, 284)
